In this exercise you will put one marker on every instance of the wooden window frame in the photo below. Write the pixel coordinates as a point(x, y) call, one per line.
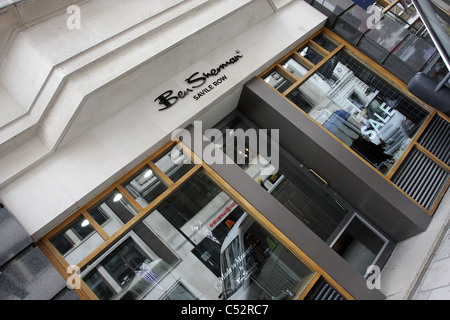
point(390, 79)
point(85, 293)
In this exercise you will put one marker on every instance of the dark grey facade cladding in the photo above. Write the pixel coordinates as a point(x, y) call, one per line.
point(25, 272)
point(349, 21)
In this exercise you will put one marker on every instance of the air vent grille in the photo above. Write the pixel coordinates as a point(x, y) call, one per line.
point(421, 178)
point(323, 291)
point(436, 139)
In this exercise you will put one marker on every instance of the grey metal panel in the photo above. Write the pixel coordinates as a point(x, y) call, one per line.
point(380, 201)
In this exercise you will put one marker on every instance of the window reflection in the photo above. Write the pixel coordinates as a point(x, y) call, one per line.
point(77, 241)
point(325, 42)
point(145, 186)
point(256, 266)
point(180, 251)
point(278, 81)
point(174, 163)
point(116, 206)
point(360, 109)
point(295, 67)
point(311, 54)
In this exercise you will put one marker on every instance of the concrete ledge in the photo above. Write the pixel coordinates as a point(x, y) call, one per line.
point(401, 275)
point(98, 73)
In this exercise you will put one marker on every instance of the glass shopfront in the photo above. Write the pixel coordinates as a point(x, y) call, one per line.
point(192, 240)
point(348, 99)
point(169, 231)
point(308, 196)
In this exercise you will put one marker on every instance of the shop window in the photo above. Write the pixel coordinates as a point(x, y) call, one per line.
point(194, 233)
point(129, 271)
point(174, 164)
point(122, 262)
point(311, 54)
point(276, 79)
point(360, 109)
point(145, 186)
point(77, 240)
point(193, 242)
point(192, 197)
point(197, 210)
point(296, 67)
point(256, 266)
point(102, 290)
point(352, 102)
point(116, 206)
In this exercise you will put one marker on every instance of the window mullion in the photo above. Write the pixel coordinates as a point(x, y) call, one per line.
point(312, 71)
point(95, 225)
point(138, 218)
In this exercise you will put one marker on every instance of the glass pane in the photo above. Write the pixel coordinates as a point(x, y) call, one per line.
point(278, 81)
point(363, 111)
point(100, 288)
point(301, 100)
point(138, 266)
point(295, 67)
point(77, 241)
point(404, 13)
point(311, 54)
point(190, 198)
point(255, 265)
point(113, 212)
point(123, 261)
point(145, 186)
point(325, 42)
point(174, 163)
point(179, 292)
point(359, 245)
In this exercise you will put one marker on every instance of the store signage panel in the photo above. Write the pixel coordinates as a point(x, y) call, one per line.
point(198, 86)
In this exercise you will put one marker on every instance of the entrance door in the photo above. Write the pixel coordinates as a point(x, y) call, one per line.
point(307, 195)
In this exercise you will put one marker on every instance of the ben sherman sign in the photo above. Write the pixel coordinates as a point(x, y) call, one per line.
point(197, 80)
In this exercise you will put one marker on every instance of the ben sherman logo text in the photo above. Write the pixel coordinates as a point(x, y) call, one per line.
point(195, 81)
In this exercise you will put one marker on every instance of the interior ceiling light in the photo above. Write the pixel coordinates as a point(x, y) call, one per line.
point(117, 197)
point(148, 173)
